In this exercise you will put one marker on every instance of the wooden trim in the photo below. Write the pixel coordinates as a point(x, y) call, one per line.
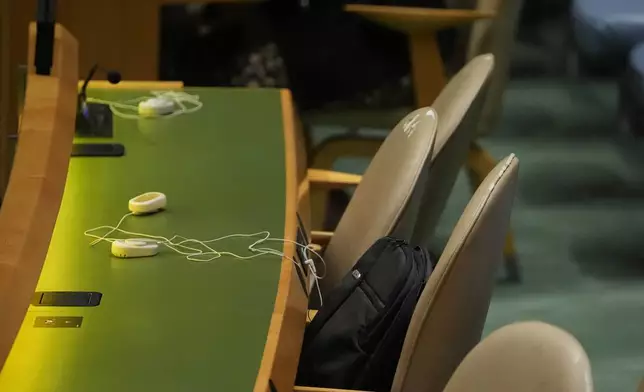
point(321, 238)
point(413, 19)
point(333, 179)
point(65, 53)
point(286, 330)
point(35, 189)
point(135, 85)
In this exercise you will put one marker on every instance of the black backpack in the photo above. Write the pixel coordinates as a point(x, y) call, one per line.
point(355, 340)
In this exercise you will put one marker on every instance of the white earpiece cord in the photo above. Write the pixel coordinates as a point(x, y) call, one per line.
point(178, 97)
point(205, 253)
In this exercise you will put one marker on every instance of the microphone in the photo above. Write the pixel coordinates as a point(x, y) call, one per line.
point(94, 119)
point(114, 77)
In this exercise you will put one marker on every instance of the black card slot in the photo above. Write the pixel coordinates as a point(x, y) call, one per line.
point(66, 298)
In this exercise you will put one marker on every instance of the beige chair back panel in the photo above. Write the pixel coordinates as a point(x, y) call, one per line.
point(458, 108)
point(386, 201)
point(525, 357)
point(495, 36)
point(450, 314)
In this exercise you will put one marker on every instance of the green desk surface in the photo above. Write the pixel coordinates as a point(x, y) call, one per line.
point(165, 323)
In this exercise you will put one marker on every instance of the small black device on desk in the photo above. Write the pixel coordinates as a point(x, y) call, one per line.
point(98, 150)
point(95, 120)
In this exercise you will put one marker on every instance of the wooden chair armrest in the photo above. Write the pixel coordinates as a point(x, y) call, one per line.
point(415, 20)
point(321, 238)
point(315, 389)
point(332, 179)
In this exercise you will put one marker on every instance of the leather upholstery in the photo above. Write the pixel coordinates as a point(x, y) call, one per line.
point(525, 357)
point(449, 317)
point(458, 107)
point(386, 201)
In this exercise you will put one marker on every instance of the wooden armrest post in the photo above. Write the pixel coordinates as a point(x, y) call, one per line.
point(428, 71)
point(321, 238)
point(332, 179)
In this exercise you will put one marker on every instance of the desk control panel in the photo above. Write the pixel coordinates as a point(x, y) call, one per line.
point(66, 298)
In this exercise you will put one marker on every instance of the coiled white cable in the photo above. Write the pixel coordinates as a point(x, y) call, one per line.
point(184, 103)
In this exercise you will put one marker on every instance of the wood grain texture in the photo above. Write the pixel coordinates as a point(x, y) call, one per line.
point(333, 179)
point(35, 189)
point(415, 20)
point(286, 330)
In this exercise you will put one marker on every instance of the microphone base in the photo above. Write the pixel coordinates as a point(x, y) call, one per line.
point(97, 121)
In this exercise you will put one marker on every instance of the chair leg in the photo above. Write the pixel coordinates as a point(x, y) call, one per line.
point(479, 164)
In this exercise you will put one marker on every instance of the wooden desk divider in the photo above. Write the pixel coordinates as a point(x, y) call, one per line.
point(36, 183)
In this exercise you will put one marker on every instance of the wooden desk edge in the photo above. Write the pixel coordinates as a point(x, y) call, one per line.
point(286, 330)
point(36, 182)
point(33, 197)
point(135, 85)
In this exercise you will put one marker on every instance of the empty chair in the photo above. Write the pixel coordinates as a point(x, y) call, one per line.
point(450, 314)
point(458, 108)
point(386, 201)
point(525, 357)
point(451, 311)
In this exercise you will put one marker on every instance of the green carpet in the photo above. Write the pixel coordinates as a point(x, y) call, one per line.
point(578, 222)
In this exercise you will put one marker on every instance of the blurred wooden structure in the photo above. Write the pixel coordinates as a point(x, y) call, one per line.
point(8, 92)
point(119, 34)
point(35, 189)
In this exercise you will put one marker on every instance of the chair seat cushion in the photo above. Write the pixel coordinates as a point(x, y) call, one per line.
point(632, 90)
point(608, 27)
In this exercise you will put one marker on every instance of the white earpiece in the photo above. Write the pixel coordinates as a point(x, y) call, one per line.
point(144, 245)
point(162, 104)
point(147, 203)
point(134, 247)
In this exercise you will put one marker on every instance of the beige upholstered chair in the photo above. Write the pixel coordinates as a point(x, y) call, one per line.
point(387, 199)
point(525, 357)
point(449, 317)
point(458, 108)
point(450, 314)
point(494, 23)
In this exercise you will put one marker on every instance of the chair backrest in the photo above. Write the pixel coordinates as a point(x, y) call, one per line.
point(458, 108)
point(494, 36)
point(449, 317)
point(525, 357)
point(387, 199)
point(497, 37)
